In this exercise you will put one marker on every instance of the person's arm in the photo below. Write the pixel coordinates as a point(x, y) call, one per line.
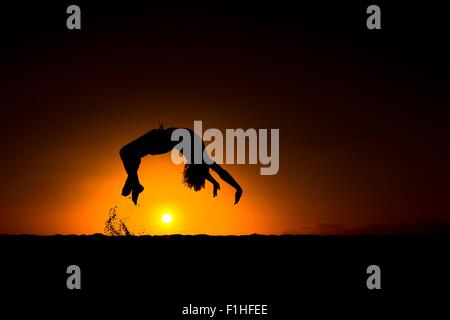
point(215, 184)
point(225, 176)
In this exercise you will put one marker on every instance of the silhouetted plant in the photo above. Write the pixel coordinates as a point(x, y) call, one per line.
point(115, 226)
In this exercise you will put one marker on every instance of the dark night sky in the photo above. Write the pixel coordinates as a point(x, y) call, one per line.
point(363, 115)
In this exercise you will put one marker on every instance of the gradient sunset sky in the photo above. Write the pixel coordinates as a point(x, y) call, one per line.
point(363, 116)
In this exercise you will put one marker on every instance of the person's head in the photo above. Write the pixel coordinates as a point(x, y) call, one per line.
point(194, 175)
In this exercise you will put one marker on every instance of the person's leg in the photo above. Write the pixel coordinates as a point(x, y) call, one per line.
point(131, 164)
point(127, 187)
point(132, 184)
point(137, 189)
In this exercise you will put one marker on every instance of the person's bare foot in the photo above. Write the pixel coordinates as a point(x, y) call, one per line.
point(127, 187)
point(135, 193)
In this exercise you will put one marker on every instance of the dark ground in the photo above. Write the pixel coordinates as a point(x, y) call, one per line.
point(323, 275)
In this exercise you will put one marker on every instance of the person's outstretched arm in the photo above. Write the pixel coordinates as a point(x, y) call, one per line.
point(225, 176)
point(215, 184)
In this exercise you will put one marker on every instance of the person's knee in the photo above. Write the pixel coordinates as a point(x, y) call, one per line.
point(130, 160)
point(124, 153)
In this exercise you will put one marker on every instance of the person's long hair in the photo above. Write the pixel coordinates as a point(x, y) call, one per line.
point(194, 175)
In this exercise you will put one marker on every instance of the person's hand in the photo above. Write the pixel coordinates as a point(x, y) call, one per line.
point(238, 195)
point(216, 187)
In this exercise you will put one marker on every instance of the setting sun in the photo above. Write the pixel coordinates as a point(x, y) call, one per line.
point(167, 218)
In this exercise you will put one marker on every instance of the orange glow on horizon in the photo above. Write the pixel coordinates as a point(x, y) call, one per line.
point(196, 212)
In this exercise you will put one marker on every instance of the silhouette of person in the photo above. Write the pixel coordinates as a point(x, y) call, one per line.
point(158, 141)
